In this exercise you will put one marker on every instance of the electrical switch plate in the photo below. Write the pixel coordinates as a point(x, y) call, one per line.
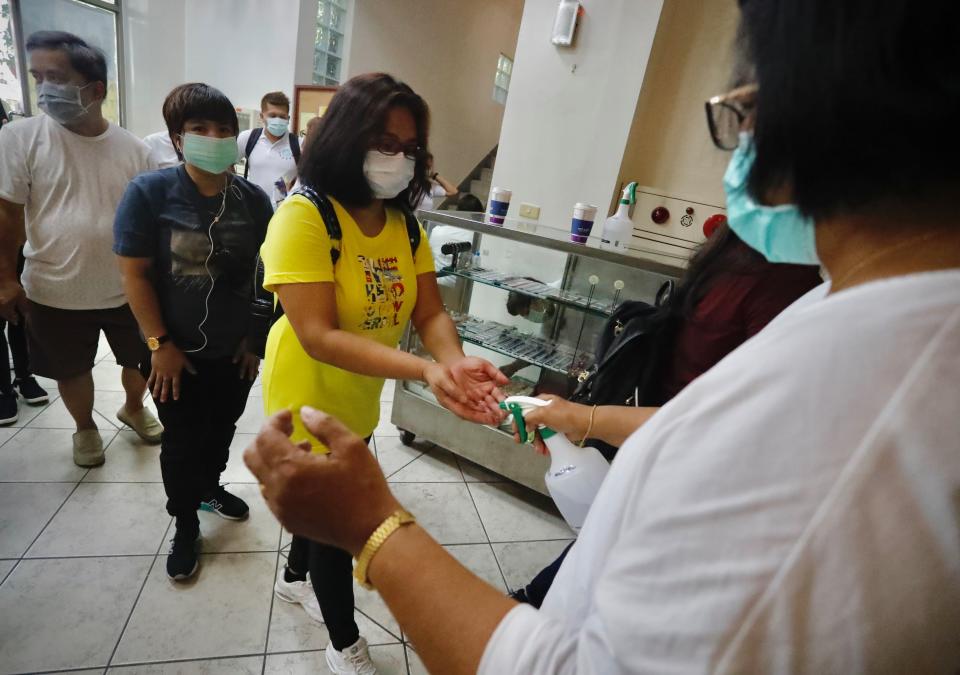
point(530, 211)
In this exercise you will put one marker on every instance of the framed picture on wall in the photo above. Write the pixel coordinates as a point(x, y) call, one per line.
point(309, 101)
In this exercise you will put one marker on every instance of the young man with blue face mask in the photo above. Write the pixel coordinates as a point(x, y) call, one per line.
point(272, 151)
point(61, 176)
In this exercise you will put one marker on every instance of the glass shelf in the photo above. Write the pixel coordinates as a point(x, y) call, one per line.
point(509, 341)
point(530, 288)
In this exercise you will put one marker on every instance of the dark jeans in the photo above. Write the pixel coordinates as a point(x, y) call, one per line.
point(331, 573)
point(197, 431)
point(537, 589)
point(18, 347)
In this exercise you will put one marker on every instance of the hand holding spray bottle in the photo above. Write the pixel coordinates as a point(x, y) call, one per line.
point(575, 473)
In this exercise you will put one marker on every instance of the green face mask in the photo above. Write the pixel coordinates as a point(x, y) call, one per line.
point(213, 155)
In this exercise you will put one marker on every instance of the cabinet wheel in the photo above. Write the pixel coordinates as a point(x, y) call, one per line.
point(406, 437)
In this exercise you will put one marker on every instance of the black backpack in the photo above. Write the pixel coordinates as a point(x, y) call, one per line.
point(629, 356)
point(252, 143)
point(264, 309)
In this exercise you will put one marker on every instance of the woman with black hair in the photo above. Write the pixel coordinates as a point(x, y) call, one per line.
point(187, 238)
point(794, 510)
point(347, 298)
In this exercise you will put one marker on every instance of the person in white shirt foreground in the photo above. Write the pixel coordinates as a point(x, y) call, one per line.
point(795, 509)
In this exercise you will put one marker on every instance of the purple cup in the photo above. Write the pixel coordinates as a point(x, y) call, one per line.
point(498, 204)
point(582, 223)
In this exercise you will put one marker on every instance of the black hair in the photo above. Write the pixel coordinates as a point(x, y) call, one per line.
point(858, 103)
point(721, 255)
point(333, 155)
point(197, 100)
point(86, 59)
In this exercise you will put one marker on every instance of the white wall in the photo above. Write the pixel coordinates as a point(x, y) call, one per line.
point(155, 46)
point(245, 48)
point(447, 51)
point(569, 111)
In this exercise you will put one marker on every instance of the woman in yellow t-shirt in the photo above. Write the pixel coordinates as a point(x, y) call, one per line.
point(337, 340)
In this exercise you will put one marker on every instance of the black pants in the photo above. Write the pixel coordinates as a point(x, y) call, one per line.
point(537, 589)
point(197, 431)
point(17, 346)
point(331, 573)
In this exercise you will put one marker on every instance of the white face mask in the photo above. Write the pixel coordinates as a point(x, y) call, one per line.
point(388, 175)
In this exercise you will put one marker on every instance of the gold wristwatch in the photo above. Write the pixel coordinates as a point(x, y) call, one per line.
point(394, 522)
point(153, 343)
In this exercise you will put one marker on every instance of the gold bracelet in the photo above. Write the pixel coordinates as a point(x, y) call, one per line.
point(586, 435)
point(394, 522)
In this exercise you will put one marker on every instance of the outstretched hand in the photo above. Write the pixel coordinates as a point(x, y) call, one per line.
point(339, 498)
point(468, 388)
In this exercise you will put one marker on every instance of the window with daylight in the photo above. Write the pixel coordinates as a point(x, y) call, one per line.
point(330, 45)
point(96, 21)
point(501, 84)
point(11, 95)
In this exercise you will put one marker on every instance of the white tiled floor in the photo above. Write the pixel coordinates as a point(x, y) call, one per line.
point(82, 582)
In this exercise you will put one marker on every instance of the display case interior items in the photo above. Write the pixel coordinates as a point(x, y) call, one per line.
point(532, 302)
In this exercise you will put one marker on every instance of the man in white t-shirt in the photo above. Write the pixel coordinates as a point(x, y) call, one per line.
point(162, 152)
point(61, 177)
point(272, 151)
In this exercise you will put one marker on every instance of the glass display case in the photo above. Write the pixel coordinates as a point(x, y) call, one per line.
point(532, 302)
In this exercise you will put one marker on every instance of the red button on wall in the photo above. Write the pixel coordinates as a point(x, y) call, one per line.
point(712, 223)
point(660, 215)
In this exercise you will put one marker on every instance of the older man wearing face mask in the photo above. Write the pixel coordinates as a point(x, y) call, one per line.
point(61, 177)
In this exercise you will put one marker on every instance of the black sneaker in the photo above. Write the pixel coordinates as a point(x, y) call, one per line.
point(9, 410)
point(225, 505)
point(31, 391)
point(183, 559)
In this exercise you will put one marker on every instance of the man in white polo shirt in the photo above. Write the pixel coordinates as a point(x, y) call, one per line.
point(272, 152)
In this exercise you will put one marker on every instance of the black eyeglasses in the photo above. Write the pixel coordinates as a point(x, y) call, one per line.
point(391, 146)
point(727, 113)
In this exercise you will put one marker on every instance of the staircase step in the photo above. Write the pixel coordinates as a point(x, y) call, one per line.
point(486, 175)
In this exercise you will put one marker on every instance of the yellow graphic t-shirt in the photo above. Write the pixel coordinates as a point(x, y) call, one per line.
point(375, 282)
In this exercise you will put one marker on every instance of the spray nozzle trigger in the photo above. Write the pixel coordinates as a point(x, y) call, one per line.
point(629, 195)
point(518, 406)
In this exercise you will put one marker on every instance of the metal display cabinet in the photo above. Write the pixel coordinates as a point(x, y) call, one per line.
point(547, 356)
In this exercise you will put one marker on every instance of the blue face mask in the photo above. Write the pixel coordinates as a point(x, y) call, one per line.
point(781, 233)
point(277, 126)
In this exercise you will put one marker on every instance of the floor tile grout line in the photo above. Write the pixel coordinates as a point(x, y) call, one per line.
point(50, 520)
point(377, 623)
point(273, 598)
point(487, 535)
point(136, 601)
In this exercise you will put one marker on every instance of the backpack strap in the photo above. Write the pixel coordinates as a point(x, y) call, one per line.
point(294, 147)
point(413, 229)
point(329, 217)
point(251, 144)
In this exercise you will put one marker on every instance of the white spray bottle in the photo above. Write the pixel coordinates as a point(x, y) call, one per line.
point(575, 473)
point(618, 228)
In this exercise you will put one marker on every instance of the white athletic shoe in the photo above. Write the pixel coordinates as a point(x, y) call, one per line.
point(354, 660)
point(299, 593)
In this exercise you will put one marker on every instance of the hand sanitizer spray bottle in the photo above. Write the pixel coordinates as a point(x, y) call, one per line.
point(618, 228)
point(575, 473)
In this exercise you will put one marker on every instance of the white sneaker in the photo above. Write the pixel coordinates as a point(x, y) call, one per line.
point(299, 593)
point(354, 660)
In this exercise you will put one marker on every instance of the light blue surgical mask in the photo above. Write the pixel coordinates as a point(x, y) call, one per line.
point(213, 155)
point(62, 102)
point(781, 233)
point(278, 126)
